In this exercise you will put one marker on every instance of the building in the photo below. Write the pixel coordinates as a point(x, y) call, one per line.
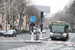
point(3, 23)
point(6, 16)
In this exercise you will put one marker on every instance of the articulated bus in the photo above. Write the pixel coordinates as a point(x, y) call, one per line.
point(59, 30)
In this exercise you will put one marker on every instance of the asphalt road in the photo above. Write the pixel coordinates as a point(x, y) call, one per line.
point(7, 43)
point(16, 43)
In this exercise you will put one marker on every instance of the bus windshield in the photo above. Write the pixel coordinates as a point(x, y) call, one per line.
point(57, 28)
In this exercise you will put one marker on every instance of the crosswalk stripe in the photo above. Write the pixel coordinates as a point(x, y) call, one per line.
point(67, 42)
point(74, 45)
point(69, 45)
point(59, 42)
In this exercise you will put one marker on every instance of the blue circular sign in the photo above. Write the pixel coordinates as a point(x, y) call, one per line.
point(32, 18)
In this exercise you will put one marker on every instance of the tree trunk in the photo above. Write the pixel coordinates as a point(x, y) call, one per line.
point(19, 25)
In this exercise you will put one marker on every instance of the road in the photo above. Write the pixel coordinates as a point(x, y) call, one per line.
point(15, 43)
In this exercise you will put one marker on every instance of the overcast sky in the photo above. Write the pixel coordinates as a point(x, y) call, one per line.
point(55, 5)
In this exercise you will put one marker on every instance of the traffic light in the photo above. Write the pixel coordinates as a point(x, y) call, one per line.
point(41, 27)
point(41, 14)
point(33, 24)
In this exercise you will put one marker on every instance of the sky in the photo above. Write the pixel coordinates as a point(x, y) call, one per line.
point(55, 5)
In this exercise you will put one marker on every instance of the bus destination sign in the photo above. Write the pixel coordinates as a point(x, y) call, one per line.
point(58, 23)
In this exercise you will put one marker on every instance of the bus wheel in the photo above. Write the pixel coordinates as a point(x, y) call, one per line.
point(65, 39)
point(5, 35)
point(52, 38)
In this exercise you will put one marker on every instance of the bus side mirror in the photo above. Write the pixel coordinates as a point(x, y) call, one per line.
point(67, 26)
point(49, 26)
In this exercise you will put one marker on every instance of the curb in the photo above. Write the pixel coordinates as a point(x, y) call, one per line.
point(34, 41)
point(44, 38)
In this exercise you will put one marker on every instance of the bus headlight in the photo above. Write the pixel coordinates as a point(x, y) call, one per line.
point(51, 34)
point(64, 34)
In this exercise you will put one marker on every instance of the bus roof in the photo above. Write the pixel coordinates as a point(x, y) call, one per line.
point(59, 22)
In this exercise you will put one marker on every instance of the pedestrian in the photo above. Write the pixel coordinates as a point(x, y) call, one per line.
point(37, 36)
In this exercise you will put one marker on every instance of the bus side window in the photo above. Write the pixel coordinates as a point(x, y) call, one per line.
point(66, 29)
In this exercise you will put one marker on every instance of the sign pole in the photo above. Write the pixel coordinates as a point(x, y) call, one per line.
point(32, 35)
point(32, 19)
point(41, 29)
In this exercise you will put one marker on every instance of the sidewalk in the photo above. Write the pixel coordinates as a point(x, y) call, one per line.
point(36, 41)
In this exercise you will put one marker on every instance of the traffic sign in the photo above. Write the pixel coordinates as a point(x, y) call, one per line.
point(32, 18)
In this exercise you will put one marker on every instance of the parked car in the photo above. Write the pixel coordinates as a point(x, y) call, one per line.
point(10, 33)
point(35, 31)
point(43, 31)
point(2, 33)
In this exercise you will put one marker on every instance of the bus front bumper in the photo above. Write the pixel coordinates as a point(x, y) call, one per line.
point(58, 37)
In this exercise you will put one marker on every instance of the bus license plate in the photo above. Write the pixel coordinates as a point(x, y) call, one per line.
point(58, 37)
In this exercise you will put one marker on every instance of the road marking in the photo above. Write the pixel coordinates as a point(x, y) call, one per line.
point(45, 37)
point(74, 45)
point(49, 39)
point(68, 48)
point(69, 45)
point(67, 42)
point(7, 39)
point(12, 40)
point(71, 38)
point(59, 42)
point(43, 47)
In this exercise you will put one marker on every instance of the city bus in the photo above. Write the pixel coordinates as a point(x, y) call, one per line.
point(59, 30)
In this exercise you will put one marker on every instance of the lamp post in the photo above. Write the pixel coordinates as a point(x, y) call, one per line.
point(41, 25)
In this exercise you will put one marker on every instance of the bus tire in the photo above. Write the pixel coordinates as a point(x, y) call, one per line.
point(65, 39)
point(5, 36)
point(52, 38)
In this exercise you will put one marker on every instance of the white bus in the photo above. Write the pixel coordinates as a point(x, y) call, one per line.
point(59, 30)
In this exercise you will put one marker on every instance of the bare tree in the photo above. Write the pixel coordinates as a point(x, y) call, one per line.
point(18, 7)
